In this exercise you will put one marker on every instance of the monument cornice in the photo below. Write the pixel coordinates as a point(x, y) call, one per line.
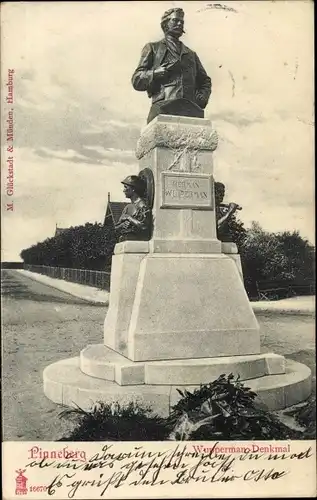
point(176, 136)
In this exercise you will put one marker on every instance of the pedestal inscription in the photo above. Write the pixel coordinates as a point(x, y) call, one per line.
point(181, 190)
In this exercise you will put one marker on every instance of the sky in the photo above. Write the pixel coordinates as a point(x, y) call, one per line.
point(77, 117)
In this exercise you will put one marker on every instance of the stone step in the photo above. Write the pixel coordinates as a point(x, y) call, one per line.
point(102, 362)
point(66, 384)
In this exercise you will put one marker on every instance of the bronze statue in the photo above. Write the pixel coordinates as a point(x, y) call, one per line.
point(135, 222)
point(171, 73)
point(224, 213)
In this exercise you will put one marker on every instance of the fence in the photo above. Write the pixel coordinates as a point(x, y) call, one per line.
point(98, 279)
point(275, 291)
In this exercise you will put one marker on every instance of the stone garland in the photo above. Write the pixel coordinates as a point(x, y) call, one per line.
point(169, 136)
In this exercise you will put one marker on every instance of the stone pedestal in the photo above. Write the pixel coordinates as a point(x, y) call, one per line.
point(179, 152)
point(178, 314)
point(185, 283)
point(160, 302)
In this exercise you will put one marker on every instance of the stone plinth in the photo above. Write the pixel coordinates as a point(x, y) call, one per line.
point(178, 107)
point(101, 362)
point(184, 284)
point(160, 302)
point(179, 152)
point(66, 384)
point(178, 315)
point(231, 250)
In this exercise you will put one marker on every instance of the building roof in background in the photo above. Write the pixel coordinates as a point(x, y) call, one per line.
point(60, 230)
point(114, 211)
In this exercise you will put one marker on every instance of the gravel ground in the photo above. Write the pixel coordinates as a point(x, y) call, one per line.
point(42, 325)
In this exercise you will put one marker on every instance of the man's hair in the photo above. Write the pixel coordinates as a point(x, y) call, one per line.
point(136, 183)
point(220, 186)
point(220, 190)
point(167, 15)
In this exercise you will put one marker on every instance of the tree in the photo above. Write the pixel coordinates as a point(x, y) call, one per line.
point(82, 247)
point(300, 255)
point(282, 258)
point(237, 231)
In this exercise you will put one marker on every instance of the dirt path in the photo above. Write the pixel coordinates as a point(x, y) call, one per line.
point(40, 325)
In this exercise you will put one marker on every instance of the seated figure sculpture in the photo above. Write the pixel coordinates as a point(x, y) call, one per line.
point(224, 213)
point(171, 73)
point(135, 222)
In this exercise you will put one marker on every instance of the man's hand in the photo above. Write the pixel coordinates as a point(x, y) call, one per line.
point(233, 207)
point(201, 100)
point(124, 224)
point(128, 218)
point(160, 72)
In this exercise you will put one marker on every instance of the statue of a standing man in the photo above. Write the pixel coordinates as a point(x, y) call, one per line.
point(171, 73)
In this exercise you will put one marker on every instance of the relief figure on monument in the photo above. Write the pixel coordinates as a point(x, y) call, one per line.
point(171, 73)
point(224, 212)
point(136, 222)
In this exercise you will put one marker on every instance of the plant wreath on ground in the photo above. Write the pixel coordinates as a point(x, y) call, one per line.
point(221, 410)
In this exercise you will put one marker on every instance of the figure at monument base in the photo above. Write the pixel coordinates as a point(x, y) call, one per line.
point(224, 212)
point(135, 222)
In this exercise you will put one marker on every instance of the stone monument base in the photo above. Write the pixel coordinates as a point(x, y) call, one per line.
point(178, 315)
point(156, 341)
point(100, 374)
point(161, 302)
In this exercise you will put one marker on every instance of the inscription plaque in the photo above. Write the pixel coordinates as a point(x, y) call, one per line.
point(186, 190)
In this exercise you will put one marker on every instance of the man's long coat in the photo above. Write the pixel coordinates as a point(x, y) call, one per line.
point(188, 78)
